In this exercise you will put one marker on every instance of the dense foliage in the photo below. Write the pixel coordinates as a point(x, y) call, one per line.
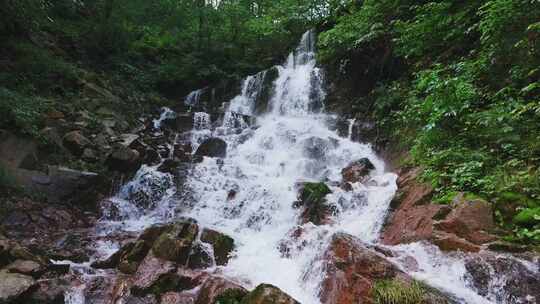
point(50, 49)
point(468, 101)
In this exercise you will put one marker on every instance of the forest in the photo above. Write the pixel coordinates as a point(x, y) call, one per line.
point(450, 86)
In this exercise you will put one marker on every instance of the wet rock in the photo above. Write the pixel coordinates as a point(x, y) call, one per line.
point(268, 294)
point(124, 159)
point(199, 258)
point(14, 285)
point(315, 207)
point(351, 270)
point(182, 152)
point(357, 171)
point(130, 259)
point(519, 283)
point(75, 142)
point(220, 290)
point(223, 245)
point(212, 147)
point(169, 166)
point(155, 276)
point(175, 243)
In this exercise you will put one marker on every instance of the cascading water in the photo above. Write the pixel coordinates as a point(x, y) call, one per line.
point(289, 144)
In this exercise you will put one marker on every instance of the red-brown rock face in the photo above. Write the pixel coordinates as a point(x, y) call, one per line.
point(464, 225)
point(351, 270)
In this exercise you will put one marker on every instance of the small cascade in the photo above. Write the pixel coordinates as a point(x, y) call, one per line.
point(351, 126)
point(166, 113)
point(193, 98)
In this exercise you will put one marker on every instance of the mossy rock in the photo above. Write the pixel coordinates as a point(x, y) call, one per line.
point(268, 294)
point(223, 245)
point(312, 198)
point(175, 243)
point(314, 192)
point(231, 296)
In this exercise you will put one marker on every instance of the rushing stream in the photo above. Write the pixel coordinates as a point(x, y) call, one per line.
point(249, 194)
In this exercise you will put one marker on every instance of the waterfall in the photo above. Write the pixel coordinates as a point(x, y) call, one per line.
point(289, 142)
point(193, 98)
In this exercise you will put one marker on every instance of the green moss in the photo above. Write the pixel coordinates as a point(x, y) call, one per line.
point(230, 296)
point(397, 292)
point(314, 192)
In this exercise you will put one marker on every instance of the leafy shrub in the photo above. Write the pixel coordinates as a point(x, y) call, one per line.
point(21, 113)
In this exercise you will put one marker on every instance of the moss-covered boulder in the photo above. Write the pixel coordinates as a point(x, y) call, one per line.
point(175, 243)
point(268, 294)
point(216, 290)
point(315, 207)
point(223, 245)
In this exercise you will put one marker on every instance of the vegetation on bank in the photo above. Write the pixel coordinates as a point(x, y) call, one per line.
point(458, 85)
point(138, 49)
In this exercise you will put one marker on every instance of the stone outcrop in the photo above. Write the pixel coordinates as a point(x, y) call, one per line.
point(465, 224)
point(352, 270)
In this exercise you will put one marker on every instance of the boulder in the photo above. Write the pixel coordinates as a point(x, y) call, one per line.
point(268, 294)
point(124, 159)
point(469, 219)
point(315, 207)
point(212, 147)
point(175, 243)
point(223, 245)
point(199, 257)
point(220, 290)
point(155, 276)
point(75, 142)
point(13, 286)
point(357, 171)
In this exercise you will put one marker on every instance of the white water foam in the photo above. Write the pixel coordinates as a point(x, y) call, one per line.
point(291, 143)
